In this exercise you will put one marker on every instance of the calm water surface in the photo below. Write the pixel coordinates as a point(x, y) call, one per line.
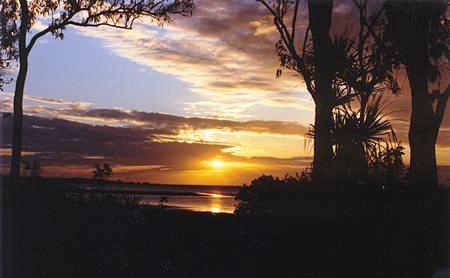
point(216, 199)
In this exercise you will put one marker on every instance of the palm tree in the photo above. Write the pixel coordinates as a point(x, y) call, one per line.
point(335, 70)
point(358, 135)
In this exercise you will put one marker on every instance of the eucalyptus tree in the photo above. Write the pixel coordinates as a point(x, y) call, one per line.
point(7, 51)
point(19, 17)
point(417, 36)
point(314, 64)
point(337, 70)
point(3, 70)
point(18, 20)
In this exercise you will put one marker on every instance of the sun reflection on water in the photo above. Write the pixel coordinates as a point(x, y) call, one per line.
point(215, 209)
point(214, 195)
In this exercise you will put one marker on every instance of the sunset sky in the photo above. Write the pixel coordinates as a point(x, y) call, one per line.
point(194, 102)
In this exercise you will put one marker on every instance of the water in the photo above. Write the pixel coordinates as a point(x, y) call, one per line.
point(215, 199)
point(208, 199)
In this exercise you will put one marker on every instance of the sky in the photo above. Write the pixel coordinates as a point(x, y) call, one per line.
point(193, 102)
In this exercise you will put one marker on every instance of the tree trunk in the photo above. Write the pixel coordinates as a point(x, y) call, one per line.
point(409, 26)
point(320, 13)
point(12, 205)
point(423, 130)
point(18, 118)
point(323, 152)
point(12, 251)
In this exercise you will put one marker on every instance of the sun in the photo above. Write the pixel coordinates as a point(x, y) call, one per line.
point(217, 163)
point(216, 210)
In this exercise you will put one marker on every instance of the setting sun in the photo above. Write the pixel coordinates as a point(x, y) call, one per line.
point(217, 163)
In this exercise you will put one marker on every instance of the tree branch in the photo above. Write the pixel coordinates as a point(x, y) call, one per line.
point(305, 40)
point(294, 20)
point(118, 14)
point(127, 27)
point(40, 34)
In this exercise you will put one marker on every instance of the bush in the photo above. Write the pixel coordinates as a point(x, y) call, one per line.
point(105, 200)
point(268, 195)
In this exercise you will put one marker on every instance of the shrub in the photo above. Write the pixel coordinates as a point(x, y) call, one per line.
point(268, 195)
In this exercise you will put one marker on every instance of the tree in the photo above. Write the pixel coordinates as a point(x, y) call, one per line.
point(314, 66)
point(359, 136)
point(97, 173)
point(8, 35)
point(107, 170)
point(320, 13)
point(4, 65)
point(335, 69)
point(102, 171)
point(33, 168)
point(358, 132)
point(417, 36)
point(19, 16)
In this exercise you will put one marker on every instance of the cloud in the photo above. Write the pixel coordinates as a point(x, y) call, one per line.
point(72, 147)
point(242, 138)
point(170, 124)
point(225, 52)
point(58, 141)
point(7, 97)
point(57, 101)
point(163, 124)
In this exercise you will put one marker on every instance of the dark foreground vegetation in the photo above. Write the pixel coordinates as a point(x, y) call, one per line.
point(282, 228)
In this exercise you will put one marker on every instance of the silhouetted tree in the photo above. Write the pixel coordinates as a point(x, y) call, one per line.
point(417, 35)
point(107, 170)
point(268, 195)
point(3, 69)
point(7, 53)
point(370, 73)
point(386, 166)
point(19, 16)
point(358, 132)
point(358, 136)
point(335, 71)
point(101, 172)
point(320, 13)
point(315, 67)
point(33, 168)
point(8, 35)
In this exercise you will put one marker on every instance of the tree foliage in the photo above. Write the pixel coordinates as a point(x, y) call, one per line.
point(417, 35)
point(32, 168)
point(267, 195)
point(8, 35)
point(59, 14)
point(416, 38)
point(359, 135)
point(354, 68)
point(418, 23)
point(102, 172)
